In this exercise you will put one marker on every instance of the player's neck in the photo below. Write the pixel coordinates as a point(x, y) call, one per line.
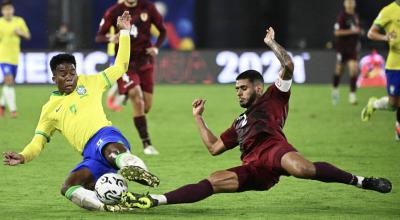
point(8, 18)
point(130, 5)
point(350, 11)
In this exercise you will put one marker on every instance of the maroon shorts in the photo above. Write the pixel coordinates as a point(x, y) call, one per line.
point(139, 73)
point(343, 57)
point(261, 169)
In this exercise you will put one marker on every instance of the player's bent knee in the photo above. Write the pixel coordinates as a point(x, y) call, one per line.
point(304, 171)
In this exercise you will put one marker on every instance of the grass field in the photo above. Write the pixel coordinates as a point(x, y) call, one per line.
point(316, 128)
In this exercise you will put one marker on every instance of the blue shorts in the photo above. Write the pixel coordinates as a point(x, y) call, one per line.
point(8, 69)
point(93, 159)
point(393, 82)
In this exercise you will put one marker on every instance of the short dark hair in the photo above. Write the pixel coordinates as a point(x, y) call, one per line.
point(6, 2)
point(61, 58)
point(251, 75)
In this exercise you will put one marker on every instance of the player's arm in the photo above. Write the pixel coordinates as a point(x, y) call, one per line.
point(158, 22)
point(214, 145)
point(347, 32)
point(23, 31)
point(42, 135)
point(286, 72)
point(122, 59)
point(103, 35)
point(374, 33)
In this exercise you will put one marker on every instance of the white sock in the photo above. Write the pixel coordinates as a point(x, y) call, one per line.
point(9, 94)
point(162, 200)
point(359, 181)
point(112, 90)
point(382, 103)
point(84, 198)
point(128, 159)
point(119, 99)
point(2, 98)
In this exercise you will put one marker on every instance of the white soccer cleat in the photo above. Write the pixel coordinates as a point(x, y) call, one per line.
point(150, 150)
point(352, 98)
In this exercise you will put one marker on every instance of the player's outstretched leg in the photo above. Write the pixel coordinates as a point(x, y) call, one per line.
point(131, 167)
point(296, 165)
point(219, 182)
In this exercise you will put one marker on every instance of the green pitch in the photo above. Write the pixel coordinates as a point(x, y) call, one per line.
point(318, 130)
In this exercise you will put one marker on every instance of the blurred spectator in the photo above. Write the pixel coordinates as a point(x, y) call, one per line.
point(63, 39)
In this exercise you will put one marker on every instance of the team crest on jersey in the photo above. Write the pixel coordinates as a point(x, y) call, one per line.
point(144, 16)
point(81, 90)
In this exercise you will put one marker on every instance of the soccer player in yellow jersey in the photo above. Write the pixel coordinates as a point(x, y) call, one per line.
point(76, 111)
point(388, 21)
point(12, 29)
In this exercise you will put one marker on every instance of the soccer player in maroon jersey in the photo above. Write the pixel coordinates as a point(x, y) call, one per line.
point(347, 33)
point(266, 153)
point(138, 82)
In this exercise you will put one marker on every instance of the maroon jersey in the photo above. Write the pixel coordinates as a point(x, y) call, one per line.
point(142, 16)
point(349, 43)
point(260, 124)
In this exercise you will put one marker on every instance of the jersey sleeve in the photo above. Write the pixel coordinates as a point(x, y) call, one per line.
point(109, 76)
point(229, 137)
point(158, 22)
point(340, 22)
point(280, 90)
point(105, 24)
point(43, 132)
point(382, 19)
point(23, 26)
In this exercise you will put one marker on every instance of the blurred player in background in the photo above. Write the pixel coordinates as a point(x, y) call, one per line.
point(12, 29)
point(76, 111)
point(138, 82)
point(388, 22)
point(266, 153)
point(347, 33)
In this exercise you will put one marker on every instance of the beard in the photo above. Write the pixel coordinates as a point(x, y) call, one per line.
point(249, 102)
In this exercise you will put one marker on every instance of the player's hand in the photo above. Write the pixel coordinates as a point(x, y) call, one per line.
point(270, 36)
point(391, 36)
point(124, 21)
point(153, 51)
point(198, 106)
point(12, 158)
point(113, 38)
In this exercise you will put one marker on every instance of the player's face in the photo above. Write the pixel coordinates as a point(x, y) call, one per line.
point(131, 2)
point(7, 11)
point(65, 77)
point(349, 5)
point(247, 92)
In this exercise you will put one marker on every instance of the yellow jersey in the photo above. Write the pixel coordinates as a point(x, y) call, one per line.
point(389, 20)
point(80, 114)
point(9, 40)
point(110, 45)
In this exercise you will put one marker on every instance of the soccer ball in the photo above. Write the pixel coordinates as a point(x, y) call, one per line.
point(110, 187)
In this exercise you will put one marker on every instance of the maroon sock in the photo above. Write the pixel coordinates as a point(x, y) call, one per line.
point(190, 193)
point(353, 83)
point(398, 115)
point(336, 80)
point(328, 173)
point(141, 126)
